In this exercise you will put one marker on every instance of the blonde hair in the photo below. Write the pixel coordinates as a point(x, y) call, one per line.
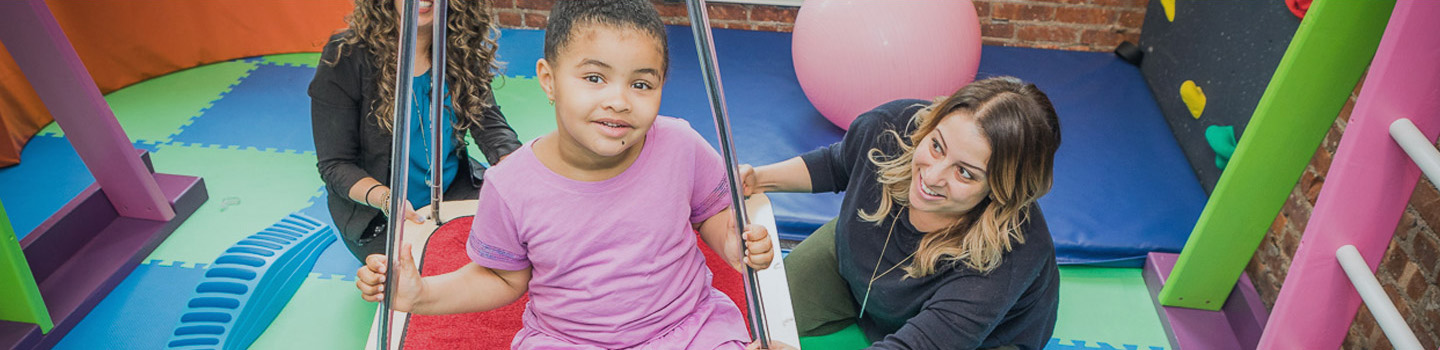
point(470, 61)
point(1023, 131)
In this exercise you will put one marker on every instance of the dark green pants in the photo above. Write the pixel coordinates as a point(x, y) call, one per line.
point(821, 298)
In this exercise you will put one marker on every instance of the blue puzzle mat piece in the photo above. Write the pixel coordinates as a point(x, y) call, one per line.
point(1122, 186)
point(269, 109)
point(139, 312)
point(48, 176)
point(336, 260)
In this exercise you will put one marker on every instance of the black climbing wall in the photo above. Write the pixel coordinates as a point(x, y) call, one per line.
point(1229, 49)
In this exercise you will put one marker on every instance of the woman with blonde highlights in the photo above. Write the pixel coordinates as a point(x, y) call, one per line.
point(352, 103)
point(939, 243)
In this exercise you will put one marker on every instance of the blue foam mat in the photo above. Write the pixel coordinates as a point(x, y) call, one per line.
point(269, 109)
point(1122, 186)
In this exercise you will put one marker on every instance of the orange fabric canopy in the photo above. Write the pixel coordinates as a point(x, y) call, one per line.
point(123, 42)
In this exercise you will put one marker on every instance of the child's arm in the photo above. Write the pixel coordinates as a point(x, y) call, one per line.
point(718, 232)
point(472, 288)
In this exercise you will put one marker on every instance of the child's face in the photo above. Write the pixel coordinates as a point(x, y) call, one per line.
point(606, 87)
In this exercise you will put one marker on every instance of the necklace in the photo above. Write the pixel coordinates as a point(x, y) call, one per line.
point(424, 114)
point(873, 276)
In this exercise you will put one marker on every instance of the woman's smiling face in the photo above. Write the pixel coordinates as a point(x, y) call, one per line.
point(948, 176)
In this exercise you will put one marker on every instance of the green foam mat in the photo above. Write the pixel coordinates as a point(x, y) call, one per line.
point(1097, 305)
point(304, 59)
point(525, 106)
point(249, 190)
point(323, 314)
point(850, 338)
point(1111, 305)
point(156, 109)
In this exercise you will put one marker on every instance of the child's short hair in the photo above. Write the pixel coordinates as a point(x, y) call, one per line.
point(569, 15)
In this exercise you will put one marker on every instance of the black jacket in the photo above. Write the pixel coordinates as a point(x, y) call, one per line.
point(955, 308)
point(350, 145)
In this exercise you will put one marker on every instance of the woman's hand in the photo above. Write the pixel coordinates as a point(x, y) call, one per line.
point(758, 250)
point(410, 213)
point(370, 279)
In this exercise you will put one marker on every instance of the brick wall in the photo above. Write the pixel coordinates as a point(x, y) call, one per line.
point(1080, 25)
point(1077, 25)
point(1408, 271)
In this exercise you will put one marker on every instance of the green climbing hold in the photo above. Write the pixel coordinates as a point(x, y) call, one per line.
point(1222, 140)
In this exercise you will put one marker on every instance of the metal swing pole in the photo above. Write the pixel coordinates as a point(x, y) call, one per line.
point(437, 108)
point(399, 157)
point(700, 25)
point(439, 9)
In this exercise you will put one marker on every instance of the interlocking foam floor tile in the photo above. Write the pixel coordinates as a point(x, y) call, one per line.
point(1100, 308)
point(304, 59)
point(324, 314)
point(525, 107)
point(249, 190)
point(1110, 305)
point(269, 109)
point(158, 108)
point(139, 312)
point(49, 175)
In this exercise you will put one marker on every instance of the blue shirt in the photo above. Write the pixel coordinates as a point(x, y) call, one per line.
point(421, 140)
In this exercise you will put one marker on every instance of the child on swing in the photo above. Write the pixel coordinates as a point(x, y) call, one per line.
point(594, 219)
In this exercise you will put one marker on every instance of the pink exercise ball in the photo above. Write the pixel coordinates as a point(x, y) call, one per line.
point(854, 55)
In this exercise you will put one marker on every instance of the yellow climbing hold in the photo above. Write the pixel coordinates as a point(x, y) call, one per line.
point(1169, 6)
point(1194, 97)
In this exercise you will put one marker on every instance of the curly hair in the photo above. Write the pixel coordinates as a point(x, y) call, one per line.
point(1023, 131)
point(470, 62)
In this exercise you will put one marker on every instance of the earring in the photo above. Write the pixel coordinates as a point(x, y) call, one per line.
point(552, 102)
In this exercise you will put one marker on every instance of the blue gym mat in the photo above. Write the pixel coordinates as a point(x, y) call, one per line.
point(1122, 186)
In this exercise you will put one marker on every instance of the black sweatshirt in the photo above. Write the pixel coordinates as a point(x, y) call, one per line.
point(350, 145)
point(955, 308)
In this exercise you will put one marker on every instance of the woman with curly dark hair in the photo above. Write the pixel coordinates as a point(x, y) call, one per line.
point(352, 103)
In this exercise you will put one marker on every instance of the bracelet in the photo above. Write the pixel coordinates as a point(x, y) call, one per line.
point(386, 208)
point(367, 194)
